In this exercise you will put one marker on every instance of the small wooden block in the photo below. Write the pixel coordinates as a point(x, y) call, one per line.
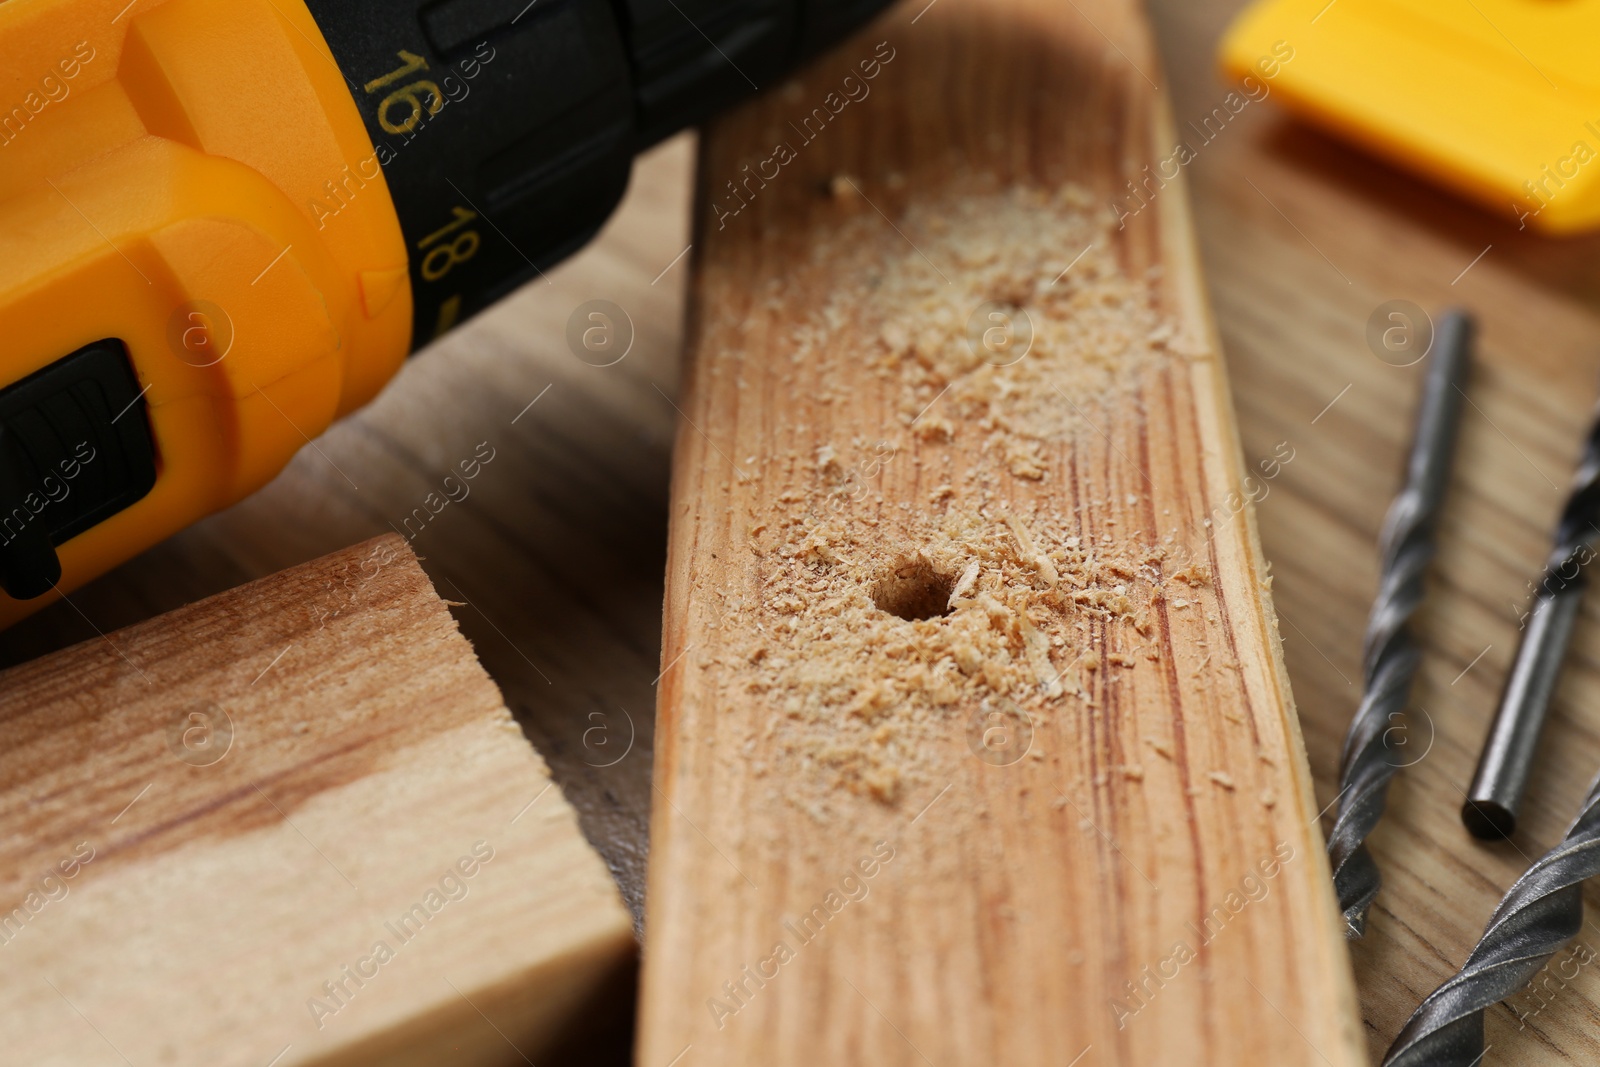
point(974, 744)
point(294, 820)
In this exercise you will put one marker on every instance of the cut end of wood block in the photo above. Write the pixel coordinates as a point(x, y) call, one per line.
point(294, 820)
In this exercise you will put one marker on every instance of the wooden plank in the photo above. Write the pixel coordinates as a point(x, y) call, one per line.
point(850, 863)
point(294, 820)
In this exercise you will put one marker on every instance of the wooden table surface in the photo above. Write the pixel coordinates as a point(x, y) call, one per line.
point(557, 554)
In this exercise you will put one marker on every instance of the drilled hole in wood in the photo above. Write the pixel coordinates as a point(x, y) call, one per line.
point(914, 590)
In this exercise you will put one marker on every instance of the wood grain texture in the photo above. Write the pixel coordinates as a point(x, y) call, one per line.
point(294, 820)
point(1024, 913)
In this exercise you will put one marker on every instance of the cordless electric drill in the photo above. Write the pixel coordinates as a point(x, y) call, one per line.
point(225, 223)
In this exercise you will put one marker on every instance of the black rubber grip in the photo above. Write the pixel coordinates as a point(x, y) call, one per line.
point(75, 449)
point(506, 129)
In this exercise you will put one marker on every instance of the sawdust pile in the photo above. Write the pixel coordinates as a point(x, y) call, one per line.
point(1048, 256)
point(884, 629)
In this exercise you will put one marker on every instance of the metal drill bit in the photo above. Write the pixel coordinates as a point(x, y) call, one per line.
point(1490, 810)
point(1541, 912)
point(1390, 654)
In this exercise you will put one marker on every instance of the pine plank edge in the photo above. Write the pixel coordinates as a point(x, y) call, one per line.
point(187, 899)
point(1005, 926)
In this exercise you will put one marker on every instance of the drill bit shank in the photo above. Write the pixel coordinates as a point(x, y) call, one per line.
point(1490, 810)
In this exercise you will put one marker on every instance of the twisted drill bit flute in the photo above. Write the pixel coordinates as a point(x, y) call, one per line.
point(1541, 912)
point(1390, 654)
point(1490, 810)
